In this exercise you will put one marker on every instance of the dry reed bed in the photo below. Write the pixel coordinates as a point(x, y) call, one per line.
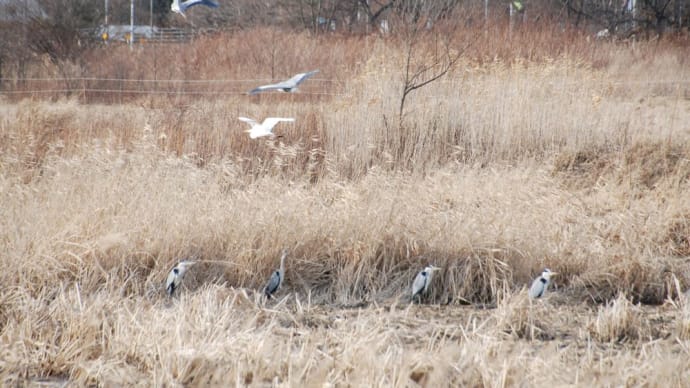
point(499, 170)
point(479, 114)
point(95, 216)
point(87, 244)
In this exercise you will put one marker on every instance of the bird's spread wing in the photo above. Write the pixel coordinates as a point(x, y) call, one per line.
point(266, 87)
point(191, 3)
point(297, 79)
point(288, 84)
point(249, 121)
point(210, 3)
point(270, 122)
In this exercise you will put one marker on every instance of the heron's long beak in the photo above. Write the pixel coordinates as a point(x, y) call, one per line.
point(554, 273)
point(434, 268)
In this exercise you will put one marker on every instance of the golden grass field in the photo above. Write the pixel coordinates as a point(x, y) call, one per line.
point(515, 161)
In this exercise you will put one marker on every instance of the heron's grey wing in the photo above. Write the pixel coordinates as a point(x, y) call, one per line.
point(191, 3)
point(419, 283)
point(537, 289)
point(273, 283)
point(209, 3)
point(287, 84)
point(299, 78)
point(267, 87)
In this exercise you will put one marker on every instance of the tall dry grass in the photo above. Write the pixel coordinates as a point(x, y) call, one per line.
point(496, 171)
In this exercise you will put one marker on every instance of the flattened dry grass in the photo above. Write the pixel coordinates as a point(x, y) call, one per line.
point(217, 336)
point(499, 171)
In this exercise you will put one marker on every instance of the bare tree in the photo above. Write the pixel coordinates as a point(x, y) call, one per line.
point(314, 15)
point(427, 32)
point(376, 9)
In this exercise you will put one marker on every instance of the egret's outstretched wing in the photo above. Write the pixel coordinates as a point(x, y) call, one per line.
point(271, 122)
point(249, 121)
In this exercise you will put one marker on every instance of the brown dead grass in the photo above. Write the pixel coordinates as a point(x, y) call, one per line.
point(619, 321)
point(501, 169)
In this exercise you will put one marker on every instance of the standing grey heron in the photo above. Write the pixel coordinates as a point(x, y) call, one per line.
point(422, 281)
point(287, 85)
point(181, 7)
point(175, 276)
point(277, 277)
point(265, 128)
point(540, 284)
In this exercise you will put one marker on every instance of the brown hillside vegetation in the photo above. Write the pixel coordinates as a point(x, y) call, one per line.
point(573, 156)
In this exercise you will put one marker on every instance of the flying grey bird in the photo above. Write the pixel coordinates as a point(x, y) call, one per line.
point(422, 280)
point(265, 128)
point(540, 284)
point(181, 7)
point(276, 277)
point(175, 276)
point(286, 86)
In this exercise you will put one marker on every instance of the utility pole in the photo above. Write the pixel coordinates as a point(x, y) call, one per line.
point(106, 12)
point(486, 17)
point(151, 14)
point(131, 23)
point(511, 12)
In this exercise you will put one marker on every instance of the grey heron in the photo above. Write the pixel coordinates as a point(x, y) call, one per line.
point(287, 85)
point(277, 277)
point(540, 284)
point(422, 280)
point(264, 129)
point(175, 276)
point(181, 7)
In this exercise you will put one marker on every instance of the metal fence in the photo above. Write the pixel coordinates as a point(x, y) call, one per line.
point(123, 33)
point(99, 89)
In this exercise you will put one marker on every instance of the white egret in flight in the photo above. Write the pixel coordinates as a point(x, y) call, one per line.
point(265, 128)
